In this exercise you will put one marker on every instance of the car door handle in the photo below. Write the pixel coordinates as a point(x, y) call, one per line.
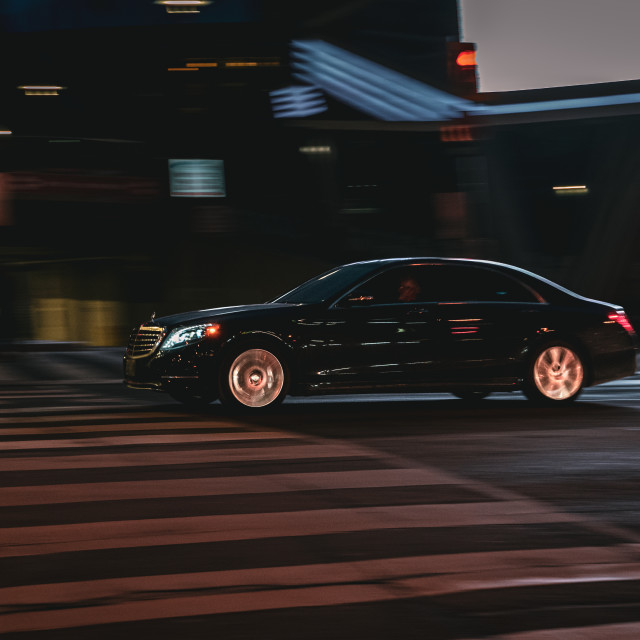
point(418, 312)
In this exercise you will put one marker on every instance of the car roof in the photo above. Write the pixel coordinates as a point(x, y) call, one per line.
point(530, 276)
point(434, 260)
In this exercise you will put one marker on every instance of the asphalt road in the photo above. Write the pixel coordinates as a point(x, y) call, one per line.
point(123, 515)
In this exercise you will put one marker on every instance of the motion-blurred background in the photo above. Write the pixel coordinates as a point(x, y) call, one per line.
point(158, 156)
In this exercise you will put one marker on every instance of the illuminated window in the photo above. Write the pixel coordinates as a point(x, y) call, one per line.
point(197, 178)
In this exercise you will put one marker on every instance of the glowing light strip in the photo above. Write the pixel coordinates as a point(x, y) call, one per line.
point(556, 105)
point(571, 190)
point(252, 64)
point(371, 87)
point(183, 6)
point(319, 149)
point(40, 87)
point(184, 3)
point(388, 95)
point(297, 102)
point(353, 92)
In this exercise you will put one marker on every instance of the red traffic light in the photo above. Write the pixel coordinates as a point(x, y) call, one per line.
point(462, 69)
point(466, 59)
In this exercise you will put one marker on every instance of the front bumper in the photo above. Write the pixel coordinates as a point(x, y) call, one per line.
point(160, 371)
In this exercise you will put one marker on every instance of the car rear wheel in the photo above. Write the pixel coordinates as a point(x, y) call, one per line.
point(556, 374)
point(254, 378)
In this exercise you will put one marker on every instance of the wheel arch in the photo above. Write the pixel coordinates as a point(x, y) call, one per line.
point(257, 339)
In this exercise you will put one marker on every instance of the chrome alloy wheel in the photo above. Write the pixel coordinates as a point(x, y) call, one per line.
point(558, 373)
point(256, 378)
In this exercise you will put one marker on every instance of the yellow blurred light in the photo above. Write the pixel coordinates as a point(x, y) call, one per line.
point(181, 69)
point(578, 189)
point(197, 65)
point(253, 63)
point(41, 89)
point(183, 6)
point(40, 86)
point(315, 149)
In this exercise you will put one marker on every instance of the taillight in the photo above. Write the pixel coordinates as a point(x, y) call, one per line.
point(621, 318)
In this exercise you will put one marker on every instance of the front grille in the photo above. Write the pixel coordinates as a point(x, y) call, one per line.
point(143, 340)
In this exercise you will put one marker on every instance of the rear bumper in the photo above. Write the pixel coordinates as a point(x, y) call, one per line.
point(614, 366)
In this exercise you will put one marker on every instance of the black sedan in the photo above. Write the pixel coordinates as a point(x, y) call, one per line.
point(468, 327)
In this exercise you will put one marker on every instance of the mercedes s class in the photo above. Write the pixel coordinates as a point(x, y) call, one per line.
point(468, 327)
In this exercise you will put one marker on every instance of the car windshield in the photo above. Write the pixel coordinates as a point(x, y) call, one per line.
point(326, 285)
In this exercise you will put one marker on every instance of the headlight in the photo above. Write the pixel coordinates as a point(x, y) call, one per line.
point(187, 335)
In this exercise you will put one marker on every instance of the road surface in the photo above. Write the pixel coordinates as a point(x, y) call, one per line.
point(123, 515)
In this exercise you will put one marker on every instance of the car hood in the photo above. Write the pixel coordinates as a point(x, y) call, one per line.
point(217, 314)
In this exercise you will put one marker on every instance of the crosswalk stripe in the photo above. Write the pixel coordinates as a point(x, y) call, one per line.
point(104, 404)
point(587, 562)
point(19, 445)
point(65, 605)
point(193, 606)
point(82, 419)
point(303, 585)
point(621, 631)
point(276, 483)
point(18, 386)
point(27, 541)
point(101, 404)
point(113, 427)
point(170, 458)
point(41, 394)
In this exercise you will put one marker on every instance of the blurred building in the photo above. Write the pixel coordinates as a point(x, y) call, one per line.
point(159, 161)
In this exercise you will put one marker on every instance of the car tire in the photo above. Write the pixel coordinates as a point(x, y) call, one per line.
point(254, 378)
point(555, 375)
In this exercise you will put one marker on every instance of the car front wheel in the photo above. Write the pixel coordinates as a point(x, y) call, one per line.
point(556, 375)
point(254, 378)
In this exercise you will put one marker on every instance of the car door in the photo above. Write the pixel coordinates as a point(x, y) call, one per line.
point(487, 318)
point(375, 335)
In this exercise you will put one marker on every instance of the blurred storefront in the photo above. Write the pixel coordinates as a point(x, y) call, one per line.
point(231, 162)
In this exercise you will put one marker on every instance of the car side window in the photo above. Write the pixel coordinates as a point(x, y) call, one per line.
point(442, 283)
point(473, 284)
point(396, 286)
